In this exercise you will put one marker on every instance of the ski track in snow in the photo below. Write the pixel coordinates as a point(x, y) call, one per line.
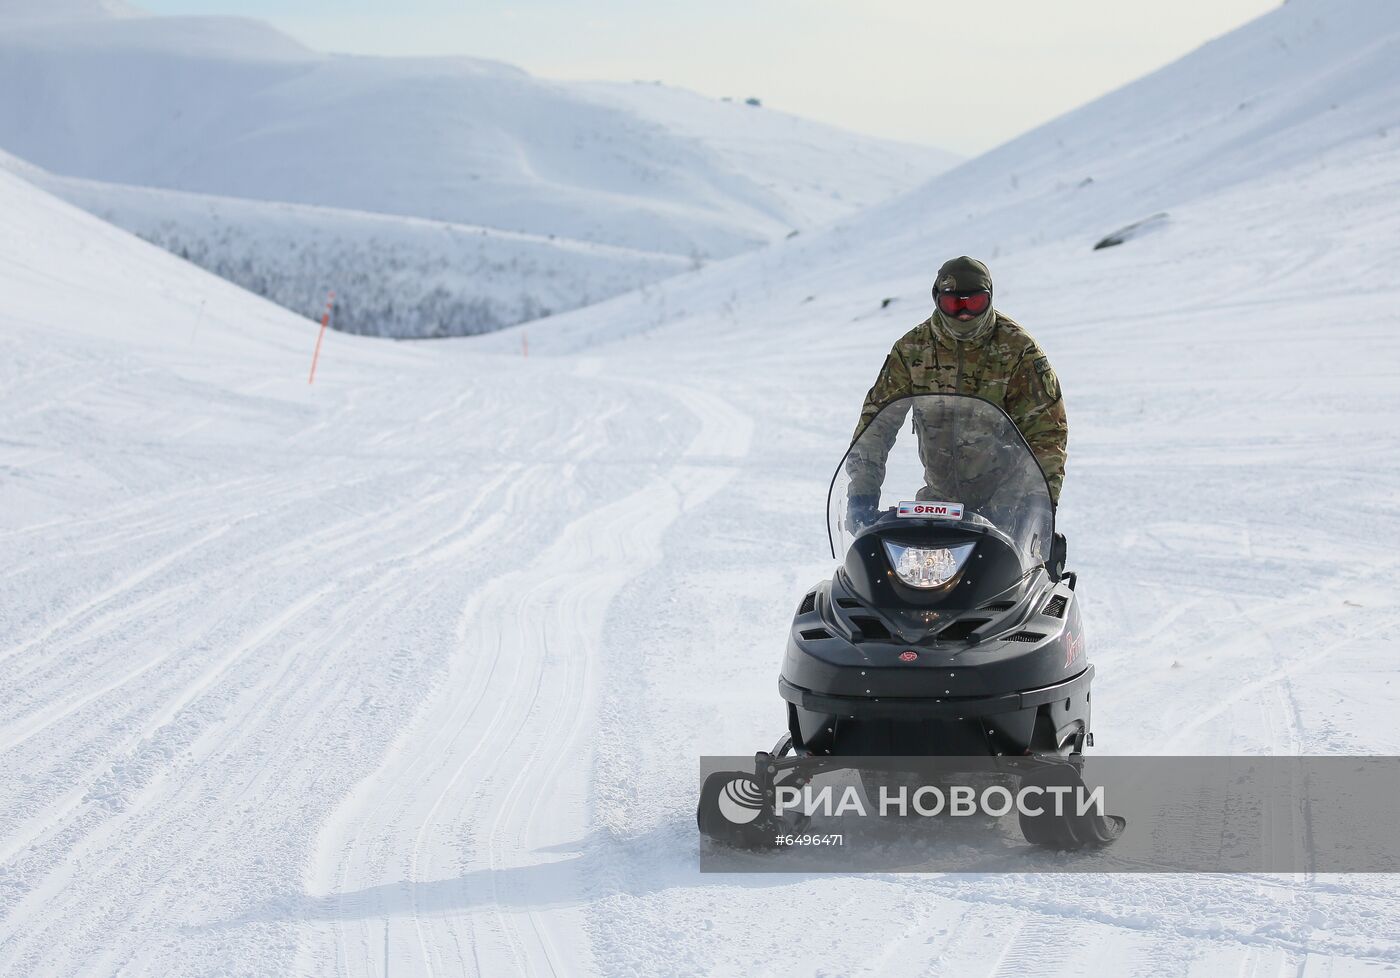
point(209, 630)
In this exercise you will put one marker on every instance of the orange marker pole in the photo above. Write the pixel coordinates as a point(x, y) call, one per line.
point(325, 321)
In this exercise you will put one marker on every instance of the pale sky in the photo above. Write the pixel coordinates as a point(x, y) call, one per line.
point(961, 75)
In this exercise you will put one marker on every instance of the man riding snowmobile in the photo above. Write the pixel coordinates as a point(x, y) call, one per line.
point(965, 347)
point(950, 628)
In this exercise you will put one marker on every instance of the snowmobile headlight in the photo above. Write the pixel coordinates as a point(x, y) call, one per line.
point(927, 566)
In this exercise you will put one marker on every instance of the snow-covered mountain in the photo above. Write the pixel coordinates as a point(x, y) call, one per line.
point(230, 107)
point(407, 672)
point(1277, 93)
point(1300, 90)
point(600, 189)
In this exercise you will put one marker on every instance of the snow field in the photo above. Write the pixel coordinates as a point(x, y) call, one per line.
point(414, 665)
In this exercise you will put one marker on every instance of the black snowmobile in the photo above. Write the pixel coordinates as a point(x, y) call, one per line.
point(951, 628)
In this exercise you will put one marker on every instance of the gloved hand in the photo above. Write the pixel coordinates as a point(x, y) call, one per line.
point(861, 511)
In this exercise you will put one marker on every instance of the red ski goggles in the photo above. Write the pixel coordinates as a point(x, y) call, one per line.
point(952, 303)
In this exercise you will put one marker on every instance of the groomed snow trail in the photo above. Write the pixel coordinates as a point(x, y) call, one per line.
point(493, 780)
point(368, 653)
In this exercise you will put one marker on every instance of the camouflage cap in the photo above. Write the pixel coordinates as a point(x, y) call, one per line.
point(963, 274)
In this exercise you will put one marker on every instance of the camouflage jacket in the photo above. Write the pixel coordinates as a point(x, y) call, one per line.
point(1007, 367)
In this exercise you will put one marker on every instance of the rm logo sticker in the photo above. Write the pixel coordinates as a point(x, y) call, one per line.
point(931, 511)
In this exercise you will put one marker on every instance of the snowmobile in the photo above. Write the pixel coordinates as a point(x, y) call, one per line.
point(950, 629)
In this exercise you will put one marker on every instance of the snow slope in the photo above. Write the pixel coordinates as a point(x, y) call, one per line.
point(820, 172)
point(393, 276)
point(407, 672)
point(229, 107)
point(600, 189)
point(211, 563)
point(1302, 88)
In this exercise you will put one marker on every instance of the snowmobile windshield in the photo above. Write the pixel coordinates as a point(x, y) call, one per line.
point(937, 458)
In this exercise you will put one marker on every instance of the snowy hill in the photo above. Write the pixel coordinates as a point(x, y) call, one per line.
point(600, 189)
point(229, 107)
point(1279, 92)
point(821, 174)
point(76, 279)
point(393, 276)
point(1306, 87)
point(407, 672)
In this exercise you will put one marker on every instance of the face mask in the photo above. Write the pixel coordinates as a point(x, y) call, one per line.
point(973, 329)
